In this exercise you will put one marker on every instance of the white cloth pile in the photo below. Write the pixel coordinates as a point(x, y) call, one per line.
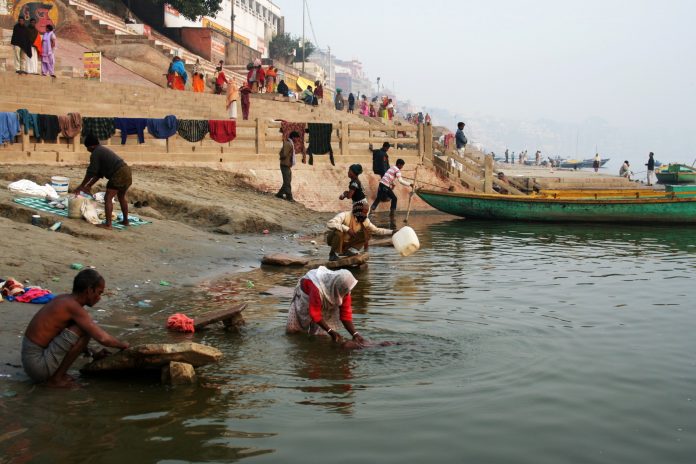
point(27, 187)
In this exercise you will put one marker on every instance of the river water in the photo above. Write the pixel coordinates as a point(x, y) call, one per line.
point(519, 343)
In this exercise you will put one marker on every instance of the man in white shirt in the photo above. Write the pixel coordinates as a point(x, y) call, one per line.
point(351, 230)
point(386, 189)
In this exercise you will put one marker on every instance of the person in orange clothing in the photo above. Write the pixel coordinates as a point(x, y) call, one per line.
point(260, 78)
point(36, 44)
point(271, 76)
point(178, 74)
point(197, 83)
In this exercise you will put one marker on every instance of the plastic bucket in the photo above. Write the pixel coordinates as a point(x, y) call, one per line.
point(406, 241)
point(60, 184)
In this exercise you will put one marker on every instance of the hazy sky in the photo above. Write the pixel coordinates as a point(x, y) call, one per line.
point(630, 62)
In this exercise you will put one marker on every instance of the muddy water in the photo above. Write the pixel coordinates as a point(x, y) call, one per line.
point(520, 343)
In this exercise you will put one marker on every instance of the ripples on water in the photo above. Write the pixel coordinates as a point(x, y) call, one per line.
point(518, 343)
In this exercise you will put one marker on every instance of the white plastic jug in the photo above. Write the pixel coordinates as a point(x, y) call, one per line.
point(406, 241)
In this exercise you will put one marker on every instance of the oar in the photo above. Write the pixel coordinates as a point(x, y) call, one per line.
point(410, 197)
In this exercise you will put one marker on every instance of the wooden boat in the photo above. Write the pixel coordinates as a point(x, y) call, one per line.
point(676, 174)
point(671, 207)
point(582, 164)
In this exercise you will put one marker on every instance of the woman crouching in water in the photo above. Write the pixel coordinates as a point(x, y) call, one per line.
point(322, 299)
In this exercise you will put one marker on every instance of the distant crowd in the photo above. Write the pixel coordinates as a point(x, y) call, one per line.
point(262, 79)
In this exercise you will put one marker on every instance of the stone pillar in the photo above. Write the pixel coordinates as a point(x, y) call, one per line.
point(421, 142)
point(488, 174)
point(260, 135)
point(428, 141)
point(344, 142)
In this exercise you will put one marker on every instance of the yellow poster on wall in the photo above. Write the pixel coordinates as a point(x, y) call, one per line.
point(91, 61)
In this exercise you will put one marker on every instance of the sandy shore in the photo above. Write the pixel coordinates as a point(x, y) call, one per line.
point(205, 224)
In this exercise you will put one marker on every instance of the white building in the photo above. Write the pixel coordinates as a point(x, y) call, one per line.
point(255, 24)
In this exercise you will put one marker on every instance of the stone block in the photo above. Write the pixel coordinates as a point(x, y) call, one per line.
point(282, 259)
point(154, 356)
point(177, 373)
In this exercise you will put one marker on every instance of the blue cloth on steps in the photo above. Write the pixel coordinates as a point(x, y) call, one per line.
point(9, 127)
point(29, 120)
point(162, 128)
point(131, 126)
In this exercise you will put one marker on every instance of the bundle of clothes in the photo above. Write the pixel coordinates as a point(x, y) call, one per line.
point(13, 290)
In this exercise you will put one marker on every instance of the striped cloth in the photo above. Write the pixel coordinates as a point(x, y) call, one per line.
point(101, 128)
point(40, 204)
point(193, 130)
point(389, 178)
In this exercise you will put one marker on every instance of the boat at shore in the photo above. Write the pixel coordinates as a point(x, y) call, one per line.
point(675, 207)
point(582, 164)
point(676, 174)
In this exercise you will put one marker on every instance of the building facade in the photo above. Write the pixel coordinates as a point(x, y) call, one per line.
point(351, 78)
point(255, 23)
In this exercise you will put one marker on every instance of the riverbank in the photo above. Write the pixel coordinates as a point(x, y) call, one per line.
point(205, 224)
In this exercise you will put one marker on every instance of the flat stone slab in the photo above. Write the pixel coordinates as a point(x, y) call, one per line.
point(155, 356)
point(342, 263)
point(282, 259)
point(226, 316)
point(282, 292)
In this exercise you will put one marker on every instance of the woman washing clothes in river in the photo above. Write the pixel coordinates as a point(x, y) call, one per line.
point(322, 299)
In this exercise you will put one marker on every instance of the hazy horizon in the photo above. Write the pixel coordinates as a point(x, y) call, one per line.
point(624, 63)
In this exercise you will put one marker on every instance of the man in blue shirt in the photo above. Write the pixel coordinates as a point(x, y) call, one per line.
point(460, 138)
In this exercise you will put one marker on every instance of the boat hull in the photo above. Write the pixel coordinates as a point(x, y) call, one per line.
point(521, 208)
point(676, 178)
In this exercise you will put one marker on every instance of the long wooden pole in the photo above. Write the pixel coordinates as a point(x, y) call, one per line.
point(410, 198)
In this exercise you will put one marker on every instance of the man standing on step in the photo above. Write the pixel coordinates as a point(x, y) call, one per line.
point(385, 191)
point(460, 138)
point(287, 161)
point(651, 168)
point(380, 160)
point(21, 46)
point(105, 163)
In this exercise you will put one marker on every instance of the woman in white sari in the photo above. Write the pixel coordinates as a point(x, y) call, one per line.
point(322, 299)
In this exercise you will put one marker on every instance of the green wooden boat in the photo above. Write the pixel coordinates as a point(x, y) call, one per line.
point(671, 208)
point(676, 174)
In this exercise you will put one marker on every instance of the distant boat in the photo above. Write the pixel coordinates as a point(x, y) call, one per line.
point(676, 174)
point(655, 207)
point(582, 164)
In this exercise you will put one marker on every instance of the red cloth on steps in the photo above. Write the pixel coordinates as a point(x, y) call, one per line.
point(223, 131)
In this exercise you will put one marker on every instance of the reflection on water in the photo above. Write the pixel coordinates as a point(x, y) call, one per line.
point(517, 343)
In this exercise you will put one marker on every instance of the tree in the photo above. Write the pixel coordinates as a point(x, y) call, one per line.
point(286, 49)
point(309, 49)
point(282, 48)
point(192, 9)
